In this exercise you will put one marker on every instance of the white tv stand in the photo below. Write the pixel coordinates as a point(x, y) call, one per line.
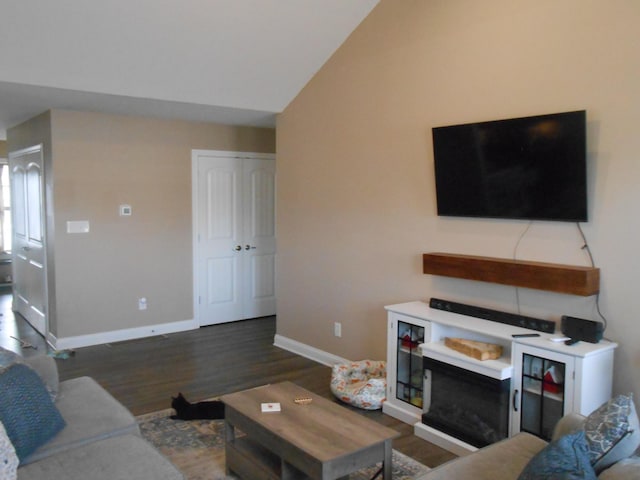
point(580, 393)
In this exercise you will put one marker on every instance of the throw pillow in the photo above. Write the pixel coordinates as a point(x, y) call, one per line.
point(26, 410)
point(564, 459)
point(8, 457)
point(612, 431)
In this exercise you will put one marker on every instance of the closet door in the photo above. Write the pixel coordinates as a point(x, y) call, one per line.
point(235, 237)
point(259, 237)
point(29, 264)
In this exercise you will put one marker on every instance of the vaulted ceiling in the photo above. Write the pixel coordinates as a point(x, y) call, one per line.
point(238, 62)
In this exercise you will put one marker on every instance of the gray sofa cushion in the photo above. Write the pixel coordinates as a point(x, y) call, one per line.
point(8, 358)
point(126, 457)
point(503, 460)
point(570, 423)
point(46, 367)
point(625, 469)
point(91, 414)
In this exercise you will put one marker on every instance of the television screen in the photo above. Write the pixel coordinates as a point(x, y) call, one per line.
point(522, 168)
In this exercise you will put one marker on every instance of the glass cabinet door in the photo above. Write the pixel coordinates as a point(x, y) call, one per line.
point(409, 381)
point(543, 395)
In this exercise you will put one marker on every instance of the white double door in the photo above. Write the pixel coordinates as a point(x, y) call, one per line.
point(235, 242)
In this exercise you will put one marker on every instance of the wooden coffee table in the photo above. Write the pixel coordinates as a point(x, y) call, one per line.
point(320, 440)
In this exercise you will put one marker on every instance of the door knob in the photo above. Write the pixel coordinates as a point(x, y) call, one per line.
point(249, 247)
point(238, 248)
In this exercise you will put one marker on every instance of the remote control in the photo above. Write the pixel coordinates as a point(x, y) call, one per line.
point(525, 335)
point(571, 341)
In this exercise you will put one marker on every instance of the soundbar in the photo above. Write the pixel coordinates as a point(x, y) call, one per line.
point(513, 319)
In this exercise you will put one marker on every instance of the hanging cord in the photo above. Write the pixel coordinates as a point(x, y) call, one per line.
point(585, 246)
point(515, 254)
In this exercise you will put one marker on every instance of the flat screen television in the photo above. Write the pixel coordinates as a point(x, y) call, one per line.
point(530, 168)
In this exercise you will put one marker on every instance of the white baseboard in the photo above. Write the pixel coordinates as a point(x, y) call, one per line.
point(403, 414)
point(65, 343)
point(307, 351)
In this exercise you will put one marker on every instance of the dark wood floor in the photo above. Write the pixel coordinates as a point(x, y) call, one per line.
point(16, 334)
point(211, 361)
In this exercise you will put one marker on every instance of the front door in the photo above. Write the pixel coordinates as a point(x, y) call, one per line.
point(235, 244)
point(29, 273)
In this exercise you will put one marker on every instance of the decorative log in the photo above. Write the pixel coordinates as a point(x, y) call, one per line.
point(475, 349)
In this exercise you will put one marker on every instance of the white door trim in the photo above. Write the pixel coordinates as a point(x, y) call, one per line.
point(194, 211)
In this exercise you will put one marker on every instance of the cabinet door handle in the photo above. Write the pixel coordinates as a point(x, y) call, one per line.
point(515, 400)
point(238, 248)
point(249, 247)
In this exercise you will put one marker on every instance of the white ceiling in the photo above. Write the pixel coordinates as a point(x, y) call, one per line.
point(237, 62)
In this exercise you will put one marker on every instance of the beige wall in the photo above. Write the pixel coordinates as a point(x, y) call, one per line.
point(356, 198)
point(99, 162)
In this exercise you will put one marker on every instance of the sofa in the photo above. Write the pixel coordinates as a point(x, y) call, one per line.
point(71, 429)
point(603, 445)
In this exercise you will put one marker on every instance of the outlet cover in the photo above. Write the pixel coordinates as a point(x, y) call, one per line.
point(337, 329)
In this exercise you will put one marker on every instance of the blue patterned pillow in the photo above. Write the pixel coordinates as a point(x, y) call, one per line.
point(612, 431)
point(565, 459)
point(26, 410)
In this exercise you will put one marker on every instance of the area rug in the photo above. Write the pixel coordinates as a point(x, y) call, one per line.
point(196, 448)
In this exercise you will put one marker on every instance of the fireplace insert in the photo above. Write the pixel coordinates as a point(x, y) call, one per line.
point(468, 406)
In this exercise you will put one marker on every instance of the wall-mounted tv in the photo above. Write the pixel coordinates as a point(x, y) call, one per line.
point(530, 168)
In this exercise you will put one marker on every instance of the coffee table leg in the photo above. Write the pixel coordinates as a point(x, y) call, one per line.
point(229, 436)
point(388, 462)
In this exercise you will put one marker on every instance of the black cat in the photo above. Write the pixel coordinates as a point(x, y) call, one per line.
point(185, 410)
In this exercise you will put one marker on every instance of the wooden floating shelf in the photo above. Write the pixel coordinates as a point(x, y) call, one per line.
point(552, 277)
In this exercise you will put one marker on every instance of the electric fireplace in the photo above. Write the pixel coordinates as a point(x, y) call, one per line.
point(464, 404)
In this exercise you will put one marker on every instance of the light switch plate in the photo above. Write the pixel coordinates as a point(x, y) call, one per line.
point(78, 226)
